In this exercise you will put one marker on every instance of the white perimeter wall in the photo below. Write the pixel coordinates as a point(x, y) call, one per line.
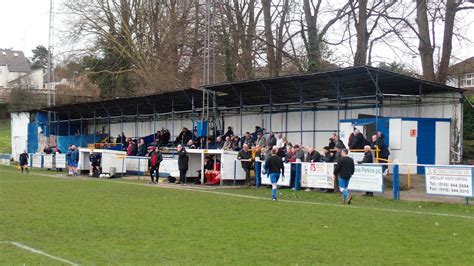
point(19, 127)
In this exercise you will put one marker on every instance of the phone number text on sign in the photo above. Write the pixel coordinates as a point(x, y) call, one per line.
point(449, 181)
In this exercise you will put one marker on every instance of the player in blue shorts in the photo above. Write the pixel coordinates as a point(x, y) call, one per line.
point(68, 160)
point(344, 169)
point(74, 159)
point(273, 167)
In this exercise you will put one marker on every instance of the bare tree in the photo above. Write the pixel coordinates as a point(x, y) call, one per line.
point(428, 14)
point(367, 22)
point(314, 31)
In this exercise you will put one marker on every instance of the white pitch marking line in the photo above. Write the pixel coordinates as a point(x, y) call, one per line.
point(302, 202)
point(37, 251)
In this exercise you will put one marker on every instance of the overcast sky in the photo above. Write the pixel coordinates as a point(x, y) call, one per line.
point(24, 25)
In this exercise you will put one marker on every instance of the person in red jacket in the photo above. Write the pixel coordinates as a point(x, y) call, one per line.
point(154, 164)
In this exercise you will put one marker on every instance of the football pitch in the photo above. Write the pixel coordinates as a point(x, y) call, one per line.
point(49, 220)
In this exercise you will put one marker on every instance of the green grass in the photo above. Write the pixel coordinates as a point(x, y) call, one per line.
point(90, 221)
point(5, 136)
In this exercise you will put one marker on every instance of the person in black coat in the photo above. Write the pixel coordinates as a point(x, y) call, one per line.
point(154, 164)
point(245, 157)
point(326, 156)
point(184, 136)
point(273, 167)
point(343, 170)
point(368, 157)
point(165, 137)
point(24, 162)
point(358, 141)
point(183, 164)
point(379, 142)
point(228, 133)
point(313, 156)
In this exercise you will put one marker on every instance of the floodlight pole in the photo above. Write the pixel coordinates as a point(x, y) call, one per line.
point(49, 94)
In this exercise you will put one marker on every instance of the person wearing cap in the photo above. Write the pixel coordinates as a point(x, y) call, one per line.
point(183, 164)
point(154, 164)
point(343, 170)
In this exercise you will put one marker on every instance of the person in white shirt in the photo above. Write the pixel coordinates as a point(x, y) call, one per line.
point(279, 143)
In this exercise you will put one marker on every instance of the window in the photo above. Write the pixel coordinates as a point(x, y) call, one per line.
point(467, 80)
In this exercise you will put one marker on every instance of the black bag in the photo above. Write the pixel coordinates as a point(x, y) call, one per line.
point(171, 179)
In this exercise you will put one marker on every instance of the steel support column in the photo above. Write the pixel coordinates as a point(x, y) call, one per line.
point(121, 118)
point(314, 127)
point(338, 105)
point(108, 123)
point(301, 113)
point(192, 115)
point(95, 127)
point(154, 121)
point(136, 122)
point(172, 118)
point(240, 112)
point(271, 107)
point(69, 123)
point(377, 104)
point(80, 133)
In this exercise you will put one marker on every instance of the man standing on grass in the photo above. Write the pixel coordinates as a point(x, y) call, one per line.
point(183, 162)
point(273, 167)
point(343, 170)
point(74, 159)
point(155, 159)
point(245, 158)
point(68, 160)
point(24, 162)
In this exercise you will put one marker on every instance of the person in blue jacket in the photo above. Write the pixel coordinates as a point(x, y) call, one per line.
point(74, 159)
point(273, 167)
point(68, 160)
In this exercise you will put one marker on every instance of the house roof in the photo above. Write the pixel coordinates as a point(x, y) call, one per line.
point(463, 67)
point(14, 60)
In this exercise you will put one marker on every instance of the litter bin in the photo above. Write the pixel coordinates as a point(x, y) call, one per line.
point(112, 171)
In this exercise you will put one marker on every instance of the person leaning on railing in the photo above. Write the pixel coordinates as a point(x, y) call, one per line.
point(368, 158)
point(378, 141)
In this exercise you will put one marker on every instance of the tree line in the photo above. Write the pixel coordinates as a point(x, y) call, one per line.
point(138, 46)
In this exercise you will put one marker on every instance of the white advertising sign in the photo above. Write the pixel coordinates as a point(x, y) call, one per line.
point(283, 181)
point(60, 160)
point(36, 160)
point(132, 164)
point(317, 175)
point(449, 181)
point(170, 166)
point(367, 178)
point(48, 161)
